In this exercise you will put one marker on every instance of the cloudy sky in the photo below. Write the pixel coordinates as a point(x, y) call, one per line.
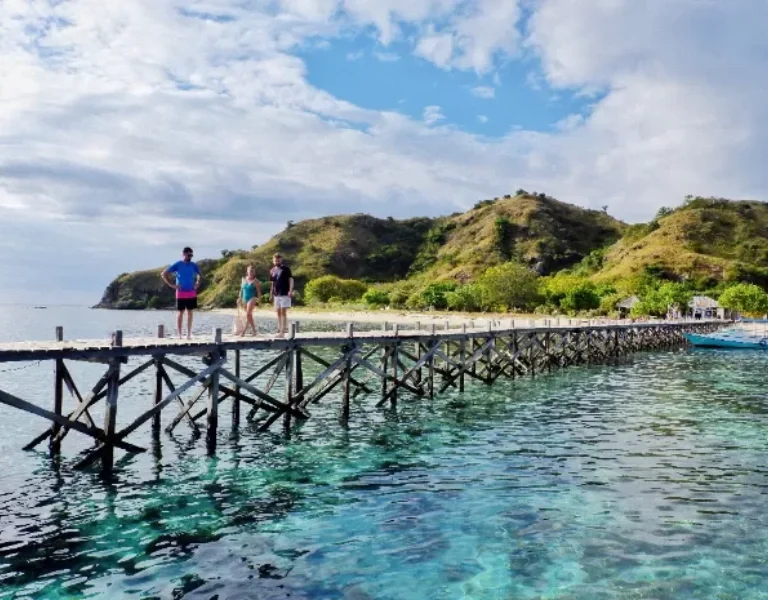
point(129, 128)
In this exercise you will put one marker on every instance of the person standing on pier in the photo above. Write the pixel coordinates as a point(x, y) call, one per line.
point(281, 292)
point(250, 294)
point(187, 281)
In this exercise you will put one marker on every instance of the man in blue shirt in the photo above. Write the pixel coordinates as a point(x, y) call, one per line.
point(187, 281)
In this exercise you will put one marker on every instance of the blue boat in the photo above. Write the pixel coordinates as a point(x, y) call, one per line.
point(736, 339)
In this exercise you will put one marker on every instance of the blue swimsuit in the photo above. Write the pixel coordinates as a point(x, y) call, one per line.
point(248, 290)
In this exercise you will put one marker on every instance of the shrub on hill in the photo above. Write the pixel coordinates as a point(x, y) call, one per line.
point(747, 298)
point(328, 287)
point(509, 286)
point(464, 298)
point(655, 301)
point(583, 297)
point(432, 296)
point(376, 297)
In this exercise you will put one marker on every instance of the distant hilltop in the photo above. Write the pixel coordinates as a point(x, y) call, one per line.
point(706, 240)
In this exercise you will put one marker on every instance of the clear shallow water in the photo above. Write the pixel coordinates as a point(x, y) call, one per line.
point(645, 480)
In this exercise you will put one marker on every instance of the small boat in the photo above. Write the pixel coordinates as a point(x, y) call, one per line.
point(728, 339)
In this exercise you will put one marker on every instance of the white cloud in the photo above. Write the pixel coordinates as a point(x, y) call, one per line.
point(484, 91)
point(482, 118)
point(681, 108)
point(474, 36)
point(128, 128)
point(386, 56)
point(433, 114)
point(436, 47)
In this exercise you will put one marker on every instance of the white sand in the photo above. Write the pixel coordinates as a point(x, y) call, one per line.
point(373, 316)
point(404, 317)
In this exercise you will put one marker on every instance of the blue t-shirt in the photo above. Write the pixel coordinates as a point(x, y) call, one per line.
point(185, 274)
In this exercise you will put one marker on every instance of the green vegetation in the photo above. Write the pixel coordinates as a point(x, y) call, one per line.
point(510, 286)
point(656, 301)
point(527, 252)
point(376, 298)
point(330, 288)
point(746, 298)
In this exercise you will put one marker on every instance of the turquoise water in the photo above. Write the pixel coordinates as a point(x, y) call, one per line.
point(644, 480)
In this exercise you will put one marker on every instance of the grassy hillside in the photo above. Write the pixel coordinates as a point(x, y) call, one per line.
point(702, 243)
point(349, 246)
point(539, 231)
point(705, 240)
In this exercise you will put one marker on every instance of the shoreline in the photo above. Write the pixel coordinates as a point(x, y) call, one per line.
point(374, 316)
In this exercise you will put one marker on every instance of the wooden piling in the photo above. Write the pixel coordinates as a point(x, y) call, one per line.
point(158, 397)
point(58, 394)
point(298, 369)
point(110, 412)
point(347, 376)
point(236, 399)
point(395, 357)
point(288, 391)
point(213, 395)
point(463, 356)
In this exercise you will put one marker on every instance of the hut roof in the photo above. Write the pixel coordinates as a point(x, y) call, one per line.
point(703, 302)
point(628, 302)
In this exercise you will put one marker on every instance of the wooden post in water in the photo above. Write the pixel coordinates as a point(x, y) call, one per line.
point(156, 424)
point(236, 399)
point(110, 412)
point(417, 354)
point(298, 371)
point(431, 365)
point(213, 396)
point(347, 374)
point(384, 366)
point(488, 356)
point(58, 394)
point(395, 356)
point(463, 355)
point(531, 355)
point(289, 378)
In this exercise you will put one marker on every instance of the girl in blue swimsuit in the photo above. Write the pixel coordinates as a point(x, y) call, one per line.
point(250, 294)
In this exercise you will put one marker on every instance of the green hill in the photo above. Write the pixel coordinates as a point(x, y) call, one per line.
point(540, 231)
point(544, 233)
point(704, 242)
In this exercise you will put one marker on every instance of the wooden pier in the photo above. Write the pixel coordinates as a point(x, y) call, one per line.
point(386, 365)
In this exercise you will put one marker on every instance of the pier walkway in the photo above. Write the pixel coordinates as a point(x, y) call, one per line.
point(385, 364)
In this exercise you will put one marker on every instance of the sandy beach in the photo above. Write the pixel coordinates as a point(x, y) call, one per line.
point(376, 316)
point(404, 317)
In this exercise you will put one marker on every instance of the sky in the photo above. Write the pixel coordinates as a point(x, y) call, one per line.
point(131, 128)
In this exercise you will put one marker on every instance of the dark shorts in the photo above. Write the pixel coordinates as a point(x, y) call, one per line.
point(186, 304)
